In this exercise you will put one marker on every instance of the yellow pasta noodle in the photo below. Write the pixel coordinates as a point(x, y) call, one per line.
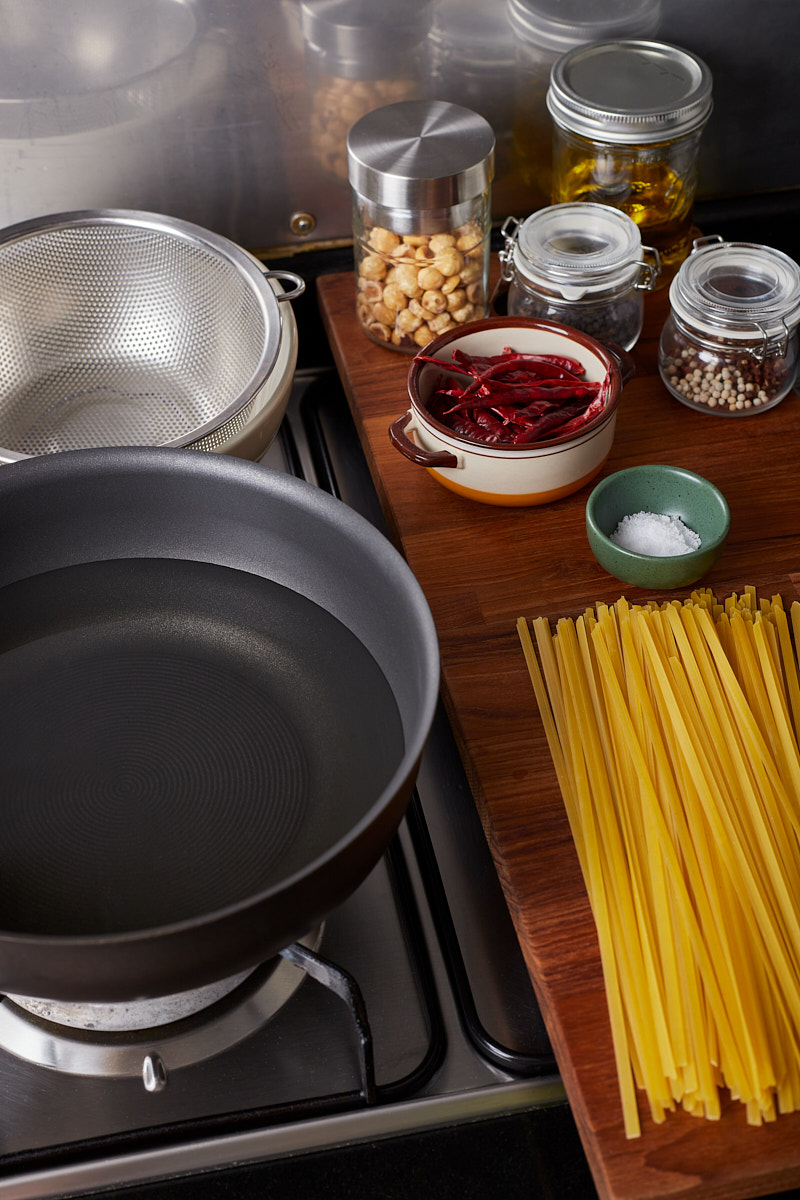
point(673, 729)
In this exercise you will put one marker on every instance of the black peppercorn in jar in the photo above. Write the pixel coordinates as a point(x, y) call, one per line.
point(628, 117)
point(421, 176)
point(582, 265)
point(730, 344)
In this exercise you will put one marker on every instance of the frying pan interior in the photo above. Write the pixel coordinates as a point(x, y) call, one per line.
point(216, 684)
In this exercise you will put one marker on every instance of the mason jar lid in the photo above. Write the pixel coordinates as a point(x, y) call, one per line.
point(578, 248)
point(737, 290)
point(420, 154)
point(559, 25)
point(631, 92)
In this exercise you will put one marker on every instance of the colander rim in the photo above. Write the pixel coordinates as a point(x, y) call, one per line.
point(241, 260)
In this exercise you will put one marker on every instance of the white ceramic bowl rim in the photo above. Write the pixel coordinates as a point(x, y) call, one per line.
point(581, 344)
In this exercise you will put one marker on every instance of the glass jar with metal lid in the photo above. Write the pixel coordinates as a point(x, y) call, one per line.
point(359, 56)
point(544, 30)
point(730, 343)
point(628, 118)
point(582, 265)
point(421, 174)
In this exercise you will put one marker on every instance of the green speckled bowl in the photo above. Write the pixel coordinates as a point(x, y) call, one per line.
point(657, 488)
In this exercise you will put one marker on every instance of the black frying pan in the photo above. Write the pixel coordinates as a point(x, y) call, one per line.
point(215, 686)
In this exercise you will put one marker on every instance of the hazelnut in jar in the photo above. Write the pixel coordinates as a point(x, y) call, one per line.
point(421, 177)
point(730, 344)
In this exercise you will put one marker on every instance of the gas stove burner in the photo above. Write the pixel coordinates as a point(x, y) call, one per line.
point(125, 1016)
point(149, 1038)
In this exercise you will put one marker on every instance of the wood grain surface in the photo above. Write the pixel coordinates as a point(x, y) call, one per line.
point(481, 567)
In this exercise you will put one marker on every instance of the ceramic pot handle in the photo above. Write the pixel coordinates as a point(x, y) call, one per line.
point(414, 453)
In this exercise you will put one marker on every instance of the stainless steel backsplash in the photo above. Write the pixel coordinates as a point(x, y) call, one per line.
point(233, 113)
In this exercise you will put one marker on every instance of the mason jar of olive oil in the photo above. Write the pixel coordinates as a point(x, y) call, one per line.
point(628, 118)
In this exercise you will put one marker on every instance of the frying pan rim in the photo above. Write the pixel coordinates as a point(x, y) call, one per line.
point(163, 459)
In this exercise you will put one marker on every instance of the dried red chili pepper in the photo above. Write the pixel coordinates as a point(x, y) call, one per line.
point(593, 410)
point(467, 428)
point(490, 424)
point(477, 362)
point(550, 422)
point(514, 398)
point(525, 396)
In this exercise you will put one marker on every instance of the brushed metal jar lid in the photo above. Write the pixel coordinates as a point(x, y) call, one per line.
point(630, 91)
point(420, 154)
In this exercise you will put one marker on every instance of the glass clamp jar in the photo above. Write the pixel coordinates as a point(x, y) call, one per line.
point(730, 344)
point(628, 116)
point(421, 174)
point(582, 265)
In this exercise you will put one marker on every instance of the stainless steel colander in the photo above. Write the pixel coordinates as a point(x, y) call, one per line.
point(121, 328)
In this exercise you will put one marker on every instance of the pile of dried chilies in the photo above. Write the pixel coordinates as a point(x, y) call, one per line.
point(514, 399)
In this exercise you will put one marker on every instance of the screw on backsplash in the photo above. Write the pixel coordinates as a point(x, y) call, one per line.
point(302, 223)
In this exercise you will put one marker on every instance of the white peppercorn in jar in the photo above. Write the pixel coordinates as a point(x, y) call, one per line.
point(421, 176)
point(582, 265)
point(730, 344)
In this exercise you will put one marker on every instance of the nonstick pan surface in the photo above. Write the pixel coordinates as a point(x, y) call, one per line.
point(215, 685)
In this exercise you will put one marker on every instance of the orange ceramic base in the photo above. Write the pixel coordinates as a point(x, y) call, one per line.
point(515, 499)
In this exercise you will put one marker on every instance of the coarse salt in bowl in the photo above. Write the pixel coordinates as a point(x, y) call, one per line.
point(657, 526)
point(538, 472)
point(661, 534)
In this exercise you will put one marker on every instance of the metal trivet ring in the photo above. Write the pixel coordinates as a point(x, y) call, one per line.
point(150, 1054)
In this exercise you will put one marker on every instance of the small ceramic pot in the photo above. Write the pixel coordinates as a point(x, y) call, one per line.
point(539, 472)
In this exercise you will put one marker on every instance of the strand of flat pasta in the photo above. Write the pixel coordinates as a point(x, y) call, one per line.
point(608, 885)
point(647, 865)
point(619, 886)
point(789, 667)
point(771, 876)
point(749, 802)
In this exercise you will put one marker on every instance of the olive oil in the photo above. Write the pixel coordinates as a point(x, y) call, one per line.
point(656, 195)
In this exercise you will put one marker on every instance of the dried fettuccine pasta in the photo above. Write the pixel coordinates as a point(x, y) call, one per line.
point(673, 729)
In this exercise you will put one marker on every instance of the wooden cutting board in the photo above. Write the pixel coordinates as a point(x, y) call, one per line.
point(481, 567)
